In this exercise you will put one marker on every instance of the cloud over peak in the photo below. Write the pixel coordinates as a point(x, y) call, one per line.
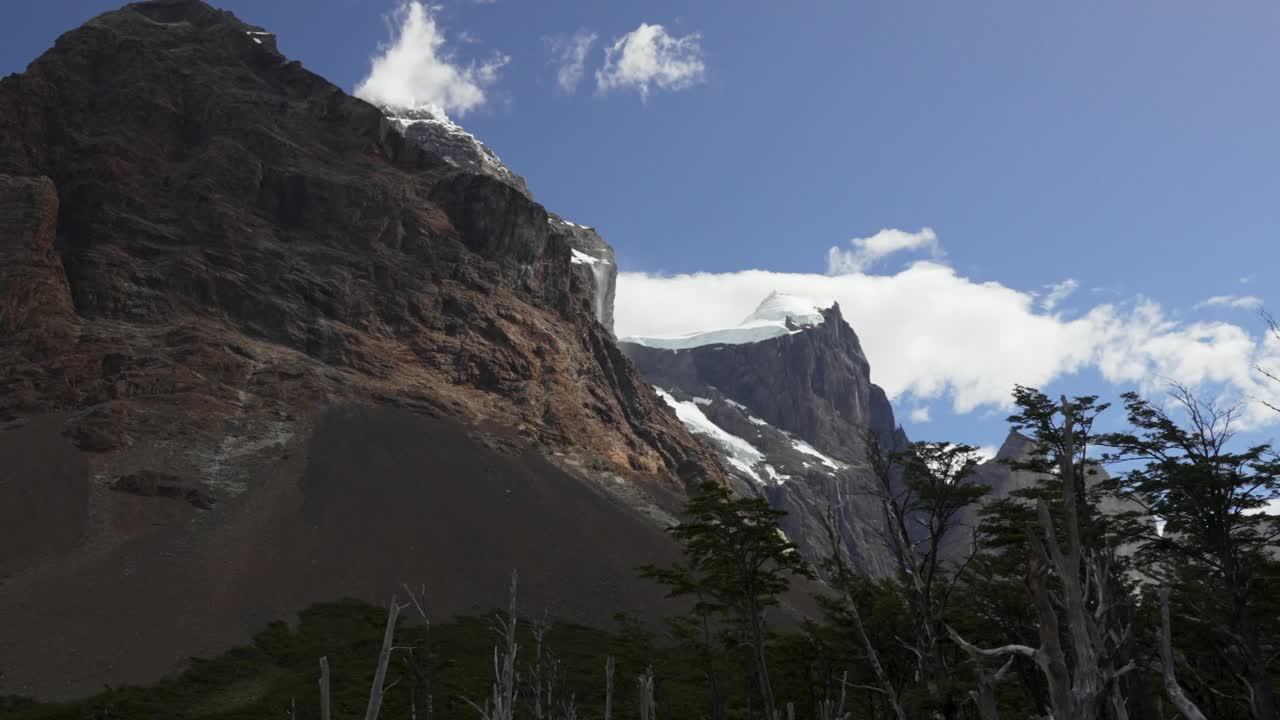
point(649, 57)
point(931, 333)
point(866, 251)
point(417, 67)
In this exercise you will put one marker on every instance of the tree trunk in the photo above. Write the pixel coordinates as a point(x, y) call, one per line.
point(842, 578)
point(762, 664)
point(608, 688)
point(324, 689)
point(713, 678)
point(1171, 686)
point(648, 710)
point(384, 657)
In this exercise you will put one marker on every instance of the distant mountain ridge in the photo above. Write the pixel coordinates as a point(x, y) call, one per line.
point(786, 399)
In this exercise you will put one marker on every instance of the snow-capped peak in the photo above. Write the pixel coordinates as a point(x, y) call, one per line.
point(778, 314)
point(429, 126)
point(777, 307)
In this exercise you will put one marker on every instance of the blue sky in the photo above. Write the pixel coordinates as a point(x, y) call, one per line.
point(1130, 148)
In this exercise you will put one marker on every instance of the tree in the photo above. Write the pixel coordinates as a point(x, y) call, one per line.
point(924, 491)
point(1215, 544)
point(1071, 575)
point(848, 610)
point(736, 562)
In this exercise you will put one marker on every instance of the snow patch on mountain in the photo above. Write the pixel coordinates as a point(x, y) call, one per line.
point(807, 449)
point(777, 315)
point(581, 258)
point(740, 454)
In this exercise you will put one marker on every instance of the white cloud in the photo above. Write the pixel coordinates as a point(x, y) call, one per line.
point(1234, 302)
point(986, 452)
point(570, 56)
point(417, 68)
point(930, 333)
point(1057, 293)
point(649, 57)
point(866, 251)
point(920, 414)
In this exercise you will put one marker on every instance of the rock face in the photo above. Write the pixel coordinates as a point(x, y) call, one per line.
point(204, 250)
point(1003, 480)
point(430, 128)
point(593, 261)
point(800, 403)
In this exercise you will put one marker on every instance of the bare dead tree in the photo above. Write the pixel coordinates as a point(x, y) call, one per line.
point(609, 666)
point(830, 709)
point(648, 709)
point(984, 696)
point(422, 675)
point(569, 708)
point(384, 657)
point(1083, 602)
point(1171, 686)
point(540, 683)
point(325, 713)
point(501, 704)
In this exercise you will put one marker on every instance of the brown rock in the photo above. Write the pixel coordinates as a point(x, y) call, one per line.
point(218, 249)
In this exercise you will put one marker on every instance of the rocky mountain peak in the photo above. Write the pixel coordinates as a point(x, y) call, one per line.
point(429, 126)
point(786, 399)
point(780, 307)
point(334, 346)
point(592, 259)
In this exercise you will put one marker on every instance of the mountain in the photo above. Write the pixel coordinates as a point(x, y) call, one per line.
point(999, 475)
point(592, 257)
point(263, 345)
point(785, 398)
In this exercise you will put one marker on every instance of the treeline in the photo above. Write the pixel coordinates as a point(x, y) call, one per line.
point(1152, 594)
point(1149, 593)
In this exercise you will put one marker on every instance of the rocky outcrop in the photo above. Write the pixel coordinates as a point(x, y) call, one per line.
point(999, 475)
point(431, 128)
point(204, 249)
point(595, 265)
point(796, 408)
point(593, 260)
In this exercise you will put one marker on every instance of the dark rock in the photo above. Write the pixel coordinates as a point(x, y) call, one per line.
point(149, 483)
point(814, 383)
